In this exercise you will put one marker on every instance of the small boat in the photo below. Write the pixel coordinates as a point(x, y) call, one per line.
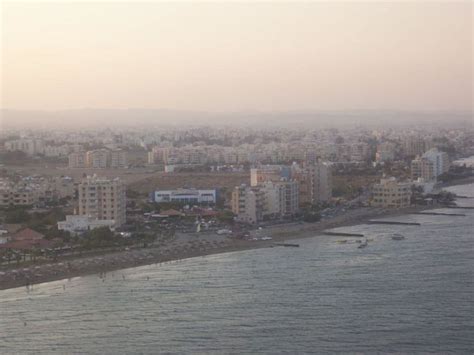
point(363, 244)
point(397, 237)
point(341, 241)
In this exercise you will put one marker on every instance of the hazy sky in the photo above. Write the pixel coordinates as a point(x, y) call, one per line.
point(237, 56)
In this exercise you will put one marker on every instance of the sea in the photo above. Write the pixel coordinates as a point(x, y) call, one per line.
point(394, 296)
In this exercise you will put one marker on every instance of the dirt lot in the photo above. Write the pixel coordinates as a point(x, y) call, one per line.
point(197, 180)
point(128, 175)
point(143, 180)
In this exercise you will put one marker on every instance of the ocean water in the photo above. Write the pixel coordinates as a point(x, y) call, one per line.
point(409, 296)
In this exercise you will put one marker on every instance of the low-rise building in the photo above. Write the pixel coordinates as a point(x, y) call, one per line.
point(280, 198)
point(18, 196)
point(187, 196)
point(77, 224)
point(269, 173)
point(26, 240)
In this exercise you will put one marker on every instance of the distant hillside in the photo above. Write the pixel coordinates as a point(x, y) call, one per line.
point(93, 118)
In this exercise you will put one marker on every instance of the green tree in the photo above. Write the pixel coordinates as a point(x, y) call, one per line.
point(18, 215)
point(226, 217)
point(98, 238)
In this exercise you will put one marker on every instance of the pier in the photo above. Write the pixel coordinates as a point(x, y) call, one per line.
point(287, 245)
point(341, 234)
point(461, 207)
point(440, 214)
point(396, 223)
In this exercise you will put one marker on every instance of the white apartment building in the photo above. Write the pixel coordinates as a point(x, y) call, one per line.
point(247, 204)
point(186, 196)
point(27, 146)
point(269, 199)
point(56, 151)
point(390, 193)
point(422, 168)
point(280, 198)
point(315, 183)
point(102, 199)
point(440, 161)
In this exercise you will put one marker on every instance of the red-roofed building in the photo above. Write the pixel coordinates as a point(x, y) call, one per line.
point(200, 212)
point(27, 239)
point(26, 234)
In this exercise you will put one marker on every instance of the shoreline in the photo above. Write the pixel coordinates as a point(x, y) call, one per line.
point(185, 247)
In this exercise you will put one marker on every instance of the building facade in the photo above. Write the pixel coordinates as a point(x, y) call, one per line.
point(77, 160)
point(102, 199)
point(77, 224)
point(18, 196)
point(99, 159)
point(247, 204)
point(440, 161)
point(385, 152)
point(315, 183)
point(118, 158)
point(33, 190)
point(422, 168)
point(269, 173)
point(280, 198)
point(28, 146)
point(186, 196)
point(390, 193)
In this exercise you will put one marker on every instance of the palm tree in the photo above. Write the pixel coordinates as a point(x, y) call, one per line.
point(17, 258)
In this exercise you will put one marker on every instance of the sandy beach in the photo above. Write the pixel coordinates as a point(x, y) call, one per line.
point(181, 247)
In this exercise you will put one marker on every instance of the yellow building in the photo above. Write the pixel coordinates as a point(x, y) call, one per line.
point(103, 199)
point(390, 193)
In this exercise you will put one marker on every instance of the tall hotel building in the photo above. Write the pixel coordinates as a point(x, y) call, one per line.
point(102, 199)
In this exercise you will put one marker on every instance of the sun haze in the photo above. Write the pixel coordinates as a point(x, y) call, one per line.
point(237, 56)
